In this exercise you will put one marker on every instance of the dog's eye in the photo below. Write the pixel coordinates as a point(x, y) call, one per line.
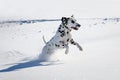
point(72, 21)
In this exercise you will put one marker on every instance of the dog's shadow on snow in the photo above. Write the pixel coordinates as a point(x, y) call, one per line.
point(28, 64)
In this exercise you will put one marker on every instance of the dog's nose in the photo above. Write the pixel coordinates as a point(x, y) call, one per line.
point(78, 25)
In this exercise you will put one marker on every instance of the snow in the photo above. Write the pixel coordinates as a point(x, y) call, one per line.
point(21, 44)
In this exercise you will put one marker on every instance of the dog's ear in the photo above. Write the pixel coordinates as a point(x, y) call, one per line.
point(64, 20)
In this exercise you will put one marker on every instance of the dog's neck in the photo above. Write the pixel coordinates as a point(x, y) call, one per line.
point(64, 26)
point(63, 30)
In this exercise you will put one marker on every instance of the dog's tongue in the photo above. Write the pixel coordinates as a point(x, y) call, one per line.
point(74, 28)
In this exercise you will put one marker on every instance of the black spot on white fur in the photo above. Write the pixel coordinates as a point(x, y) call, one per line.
point(67, 40)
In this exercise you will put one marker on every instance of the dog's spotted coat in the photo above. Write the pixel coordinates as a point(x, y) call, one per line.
point(62, 37)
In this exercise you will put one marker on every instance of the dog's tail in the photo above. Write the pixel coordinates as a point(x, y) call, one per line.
point(44, 40)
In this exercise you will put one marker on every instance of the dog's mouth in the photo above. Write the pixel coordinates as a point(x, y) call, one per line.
point(75, 28)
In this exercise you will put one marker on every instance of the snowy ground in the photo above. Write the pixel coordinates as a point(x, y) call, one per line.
point(100, 59)
point(21, 42)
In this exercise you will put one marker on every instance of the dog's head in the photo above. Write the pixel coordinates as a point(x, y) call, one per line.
point(70, 22)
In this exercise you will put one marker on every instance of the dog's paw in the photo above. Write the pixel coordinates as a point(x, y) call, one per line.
point(80, 48)
point(66, 52)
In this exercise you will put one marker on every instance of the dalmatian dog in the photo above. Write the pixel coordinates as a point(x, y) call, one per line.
point(62, 38)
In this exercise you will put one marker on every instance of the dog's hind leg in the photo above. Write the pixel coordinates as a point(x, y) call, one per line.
point(46, 54)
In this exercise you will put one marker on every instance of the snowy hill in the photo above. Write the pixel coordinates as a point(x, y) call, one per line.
point(21, 44)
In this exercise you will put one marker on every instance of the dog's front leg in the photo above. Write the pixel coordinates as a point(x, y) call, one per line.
point(80, 48)
point(75, 43)
point(67, 49)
